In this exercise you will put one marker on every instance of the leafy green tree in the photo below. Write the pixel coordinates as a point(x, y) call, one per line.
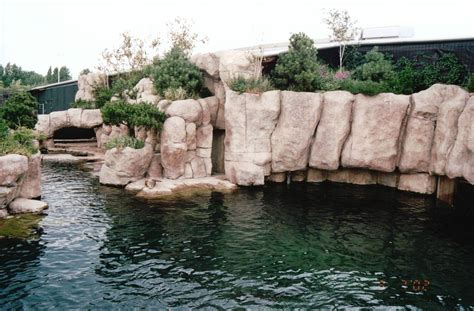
point(299, 69)
point(376, 68)
point(12, 73)
point(20, 110)
point(176, 71)
point(64, 74)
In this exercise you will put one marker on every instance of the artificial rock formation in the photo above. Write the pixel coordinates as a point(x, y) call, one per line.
point(82, 118)
point(87, 83)
point(186, 139)
point(300, 113)
point(250, 122)
point(123, 166)
point(20, 177)
point(400, 141)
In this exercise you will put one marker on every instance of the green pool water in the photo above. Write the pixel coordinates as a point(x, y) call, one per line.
point(279, 246)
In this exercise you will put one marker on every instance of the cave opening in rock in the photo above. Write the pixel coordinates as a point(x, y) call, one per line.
point(74, 134)
point(217, 155)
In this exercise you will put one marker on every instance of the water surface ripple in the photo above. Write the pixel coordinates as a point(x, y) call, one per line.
point(278, 246)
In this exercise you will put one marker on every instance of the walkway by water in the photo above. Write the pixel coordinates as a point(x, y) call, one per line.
point(302, 245)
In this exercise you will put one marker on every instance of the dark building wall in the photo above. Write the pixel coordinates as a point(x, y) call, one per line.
point(432, 50)
point(55, 98)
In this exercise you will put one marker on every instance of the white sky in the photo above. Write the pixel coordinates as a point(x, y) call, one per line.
point(38, 33)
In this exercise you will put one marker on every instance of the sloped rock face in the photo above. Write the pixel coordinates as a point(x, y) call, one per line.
point(20, 177)
point(123, 166)
point(300, 113)
point(146, 92)
point(375, 132)
point(31, 187)
point(431, 128)
point(250, 121)
point(333, 129)
point(86, 85)
point(233, 64)
point(461, 158)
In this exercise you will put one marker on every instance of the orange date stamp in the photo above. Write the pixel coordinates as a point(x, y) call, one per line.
point(421, 285)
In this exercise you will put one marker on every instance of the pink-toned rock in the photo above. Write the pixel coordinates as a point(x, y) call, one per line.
point(388, 179)
point(420, 183)
point(277, 177)
point(191, 136)
point(431, 128)
point(31, 187)
point(126, 165)
point(189, 109)
point(43, 124)
point(298, 176)
point(198, 167)
point(24, 206)
point(212, 105)
point(174, 131)
point(12, 169)
point(375, 132)
point(91, 118)
point(155, 170)
point(204, 136)
point(208, 62)
point(235, 64)
point(461, 158)
point(250, 121)
point(206, 112)
point(204, 152)
point(75, 116)
point(58, 120)
point(244, 173)
point(173, 158)
point(291, 139)
point(332, 131)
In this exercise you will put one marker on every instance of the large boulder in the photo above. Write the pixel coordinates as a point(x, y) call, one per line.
point(12, 169)
point(75, 115)
point(126, 165)
point(173, 147)
point(291, 140)
point(189, 109)
point(235, 64)
point(461, 158)
point(87, 83)
point(43, 124)
point(91, 118)
point(146, 92)
point(333, 129)
point(250, 121)
point(207, 62)
point(31, 186)
point(419, 183)
point(23, 206)
point(377, 124)
point(431, 128)
point(58, 120)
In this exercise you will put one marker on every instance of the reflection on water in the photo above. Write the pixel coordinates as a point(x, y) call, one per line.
point(302, 245)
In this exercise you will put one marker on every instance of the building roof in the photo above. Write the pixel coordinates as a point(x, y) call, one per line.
point(46, 86)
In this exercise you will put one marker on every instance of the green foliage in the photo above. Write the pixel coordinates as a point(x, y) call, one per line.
point(19, 110)
point(19, 141)
point(102, 95)
point(470, 83)
point(11, 73)
point(251, 85)
point(176, 71)
point(376, 68)
point(368, 87)
point(52, 74)
point(416, 75)
point(123, 142)
point(298, 69)
point(3, 129)
point(141, 115)
point(84, 104)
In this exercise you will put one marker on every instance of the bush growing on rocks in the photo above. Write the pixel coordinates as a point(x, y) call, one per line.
point(19, 110)
point(140, 115)
point(251, 85)
point(298, 70)
point(376, 68)
point(19, 141)
point(84, 104)
point(123, 142)
point(470, 83)
point(176, 71)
